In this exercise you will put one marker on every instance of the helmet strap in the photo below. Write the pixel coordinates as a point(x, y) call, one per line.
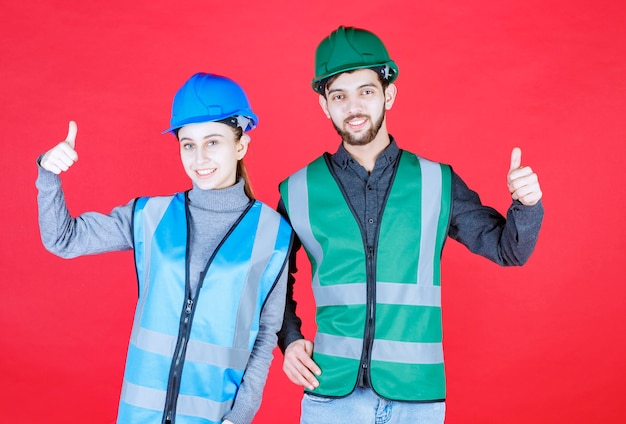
point(384, 71)
point(237, 121)
point(243, 122)
point(387, 72)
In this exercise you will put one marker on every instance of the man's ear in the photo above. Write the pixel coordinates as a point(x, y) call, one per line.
point(390, 96)
point(324, 105)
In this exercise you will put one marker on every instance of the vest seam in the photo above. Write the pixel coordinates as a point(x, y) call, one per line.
point(282, 270)
point(132, 231)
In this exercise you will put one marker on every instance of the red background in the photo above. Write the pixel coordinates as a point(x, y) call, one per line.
point(542, 344)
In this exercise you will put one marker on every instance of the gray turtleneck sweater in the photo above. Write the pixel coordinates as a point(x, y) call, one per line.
point(212, 212)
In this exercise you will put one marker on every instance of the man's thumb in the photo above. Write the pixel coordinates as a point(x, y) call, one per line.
point(516, 158)
point(71, 134)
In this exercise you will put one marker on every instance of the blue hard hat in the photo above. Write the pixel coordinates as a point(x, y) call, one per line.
point(209, 97)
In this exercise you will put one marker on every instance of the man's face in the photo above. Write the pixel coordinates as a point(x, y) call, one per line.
point(356, 104)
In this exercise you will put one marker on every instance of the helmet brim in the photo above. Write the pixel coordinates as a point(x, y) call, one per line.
point(200, 119)
point(392, 75)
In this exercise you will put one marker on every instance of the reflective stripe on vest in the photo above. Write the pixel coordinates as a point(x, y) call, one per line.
point(223, 321)
point(407, 356)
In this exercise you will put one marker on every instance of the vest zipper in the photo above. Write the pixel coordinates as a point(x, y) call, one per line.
point(184, 329)
point(178, 360)
point(368, 337)
point(363, 376)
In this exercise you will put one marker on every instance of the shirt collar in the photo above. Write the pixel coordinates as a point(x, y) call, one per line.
point(389, 154)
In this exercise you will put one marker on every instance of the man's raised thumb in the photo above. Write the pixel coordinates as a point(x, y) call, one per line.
point(516, 158)
point(71, 134)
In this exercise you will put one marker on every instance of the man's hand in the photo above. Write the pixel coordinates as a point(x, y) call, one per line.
point(299, 366)
point(522, 181)
point(62, 156)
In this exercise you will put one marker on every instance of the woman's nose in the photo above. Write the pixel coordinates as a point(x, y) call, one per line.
point(202, 155)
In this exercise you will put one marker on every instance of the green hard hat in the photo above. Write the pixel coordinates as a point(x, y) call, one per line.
point(347, 49)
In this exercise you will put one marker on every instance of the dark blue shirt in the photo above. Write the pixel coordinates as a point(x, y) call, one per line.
point(482, 229)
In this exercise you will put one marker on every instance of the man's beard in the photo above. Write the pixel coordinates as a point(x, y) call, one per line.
point(364, 138)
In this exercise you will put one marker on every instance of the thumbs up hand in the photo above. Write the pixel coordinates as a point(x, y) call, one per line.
point(522, 181)
point(62, 156)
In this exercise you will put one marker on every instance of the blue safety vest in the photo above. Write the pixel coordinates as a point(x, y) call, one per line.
point(187, 355)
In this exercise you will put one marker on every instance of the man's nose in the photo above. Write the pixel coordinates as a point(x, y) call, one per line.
point(354, 105)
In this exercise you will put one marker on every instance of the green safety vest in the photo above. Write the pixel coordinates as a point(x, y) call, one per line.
point(377, 308)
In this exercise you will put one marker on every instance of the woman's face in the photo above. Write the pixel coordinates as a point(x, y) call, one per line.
point(209, 152)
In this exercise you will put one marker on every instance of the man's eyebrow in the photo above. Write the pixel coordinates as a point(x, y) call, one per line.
point(369, 84)
point(334, 90)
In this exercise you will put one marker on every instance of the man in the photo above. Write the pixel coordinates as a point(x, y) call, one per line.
point(373, 220)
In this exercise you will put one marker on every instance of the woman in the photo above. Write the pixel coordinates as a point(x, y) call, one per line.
point(210, 263)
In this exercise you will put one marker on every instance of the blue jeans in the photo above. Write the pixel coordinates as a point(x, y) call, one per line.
point(364, 406)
